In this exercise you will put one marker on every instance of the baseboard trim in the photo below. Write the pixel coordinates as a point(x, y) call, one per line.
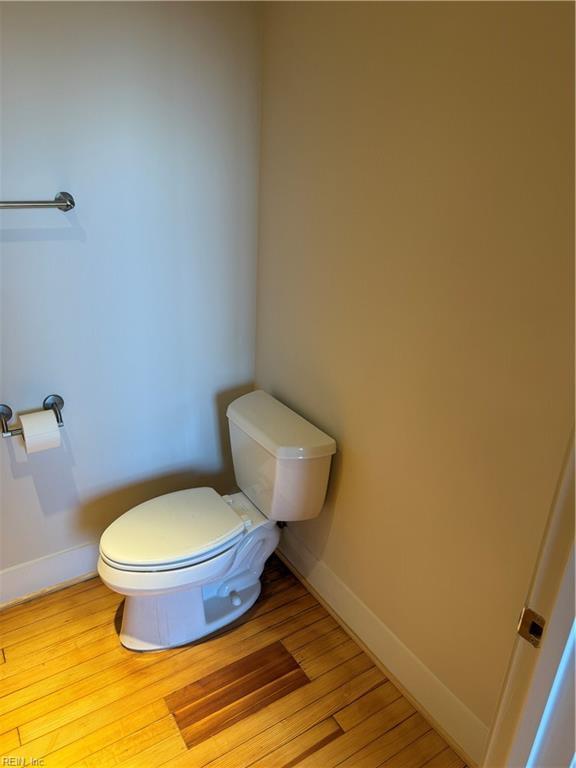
point(27, 580)
point(461, 727)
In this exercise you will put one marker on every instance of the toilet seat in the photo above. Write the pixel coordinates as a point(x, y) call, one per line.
point(171, 532)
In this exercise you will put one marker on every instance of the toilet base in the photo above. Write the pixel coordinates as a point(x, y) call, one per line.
point(168, 608)
point(153, 623)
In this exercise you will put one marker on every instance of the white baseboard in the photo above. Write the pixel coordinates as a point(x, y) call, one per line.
point(437, 701)
point(21, 581)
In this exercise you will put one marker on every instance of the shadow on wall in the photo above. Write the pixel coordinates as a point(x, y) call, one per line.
point(72, 231)
point(53, 494)
point(97, 513)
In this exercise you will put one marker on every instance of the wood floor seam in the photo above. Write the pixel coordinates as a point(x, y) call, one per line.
point(311, 750)
point(52, 652)
point(35, 603)
point(355, 762)
point(54, 609)
point(373, 740)
point(8, 716)
point(48, 677)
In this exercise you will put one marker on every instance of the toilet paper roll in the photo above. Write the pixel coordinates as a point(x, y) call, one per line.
point(40, 431)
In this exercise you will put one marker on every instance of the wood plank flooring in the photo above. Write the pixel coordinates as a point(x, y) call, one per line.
point(285, 686)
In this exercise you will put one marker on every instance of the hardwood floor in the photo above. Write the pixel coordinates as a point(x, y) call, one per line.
point(284, 687)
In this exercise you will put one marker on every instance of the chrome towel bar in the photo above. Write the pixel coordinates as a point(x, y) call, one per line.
point(63, 201)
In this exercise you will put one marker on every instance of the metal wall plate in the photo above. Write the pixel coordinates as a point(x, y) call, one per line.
point(53, 400)
point(66, 201)
point(531, 626)
point(5, 412)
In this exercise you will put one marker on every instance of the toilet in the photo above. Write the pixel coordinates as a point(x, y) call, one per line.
point(190, 562)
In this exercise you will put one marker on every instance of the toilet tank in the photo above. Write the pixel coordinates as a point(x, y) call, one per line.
point(281, 461)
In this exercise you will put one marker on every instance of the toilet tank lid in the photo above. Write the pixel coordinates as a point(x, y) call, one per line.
point(279, 430)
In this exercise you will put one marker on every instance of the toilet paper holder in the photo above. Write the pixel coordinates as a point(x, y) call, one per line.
point(52, 402)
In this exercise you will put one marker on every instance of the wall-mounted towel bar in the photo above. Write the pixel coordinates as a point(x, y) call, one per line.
point(63, 201)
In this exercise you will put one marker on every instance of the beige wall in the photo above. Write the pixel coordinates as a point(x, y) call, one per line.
point(138, 307)
point(415, 302)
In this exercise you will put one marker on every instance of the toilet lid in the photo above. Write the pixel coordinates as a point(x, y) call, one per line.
point(172, 531)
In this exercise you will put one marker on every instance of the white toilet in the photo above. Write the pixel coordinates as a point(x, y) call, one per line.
point(190, 562)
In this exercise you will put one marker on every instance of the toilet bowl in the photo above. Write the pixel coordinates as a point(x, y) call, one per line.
point(195, 581)
point(190, 562)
